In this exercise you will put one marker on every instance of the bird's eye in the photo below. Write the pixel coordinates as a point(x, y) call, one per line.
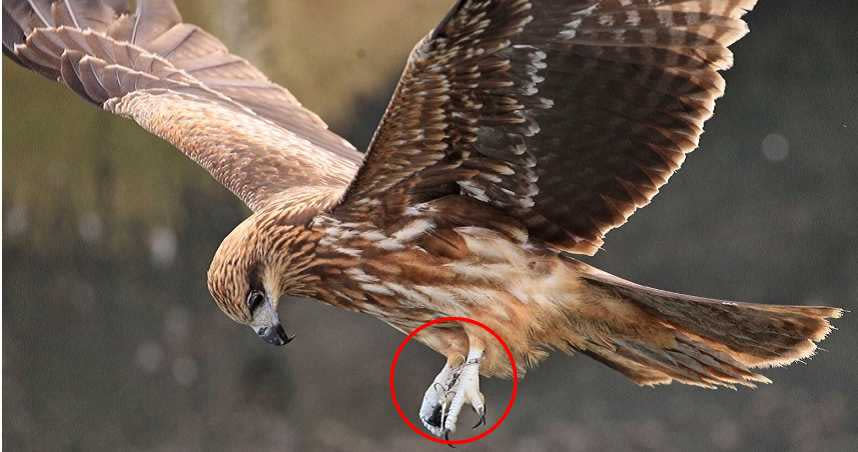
point(254, 300)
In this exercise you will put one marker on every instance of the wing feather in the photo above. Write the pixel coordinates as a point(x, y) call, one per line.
point(566, 115)
point(182, 84)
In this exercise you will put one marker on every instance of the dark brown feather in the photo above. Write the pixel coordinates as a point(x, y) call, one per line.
point(572, 113)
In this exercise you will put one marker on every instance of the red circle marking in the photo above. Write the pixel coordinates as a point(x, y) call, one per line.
point(393, 379)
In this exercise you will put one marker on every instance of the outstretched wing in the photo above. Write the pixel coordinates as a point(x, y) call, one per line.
point(182, 84)
point(566, 114)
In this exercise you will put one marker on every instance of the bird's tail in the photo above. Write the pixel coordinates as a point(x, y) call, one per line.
point(654, 337)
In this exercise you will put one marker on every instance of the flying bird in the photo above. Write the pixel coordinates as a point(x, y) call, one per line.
point(519, 134)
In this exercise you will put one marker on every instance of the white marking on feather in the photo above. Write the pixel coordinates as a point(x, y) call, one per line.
point(588, 10)
point(373, 235)
point(570, 30)
point(338, 233)
point(504, 170)
point(490, 245)
point(491, 177)
point(354, 252)
point(347, 234)
point(545, 102)
point(359, 275)
point(507, 191)
point(633, 18)
point(575, 23)
point(367, 202)
point(532, 128)
point(526, 203)
point(530, 89)
point(474, 191)
point(472, 271)
point(410, 295)
point(377, 288)
point(437, 294)
point(413, 230)
point(418, 209)
point(389, 244)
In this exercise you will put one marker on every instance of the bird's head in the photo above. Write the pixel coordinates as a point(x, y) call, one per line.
point(257, 263)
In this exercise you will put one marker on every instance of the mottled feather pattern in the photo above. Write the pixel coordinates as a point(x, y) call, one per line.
point(432, 119)
point(569, 115)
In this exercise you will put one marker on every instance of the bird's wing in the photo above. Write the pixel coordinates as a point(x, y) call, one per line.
point(182, 84)
point(566, 114)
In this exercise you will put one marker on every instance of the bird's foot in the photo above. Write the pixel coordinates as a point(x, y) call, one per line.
point(458, 383)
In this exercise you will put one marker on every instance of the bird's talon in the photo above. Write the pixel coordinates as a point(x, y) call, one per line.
point(481, 421)
point(453, 388)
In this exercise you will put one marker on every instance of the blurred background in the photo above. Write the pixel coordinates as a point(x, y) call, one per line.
point(111, 341)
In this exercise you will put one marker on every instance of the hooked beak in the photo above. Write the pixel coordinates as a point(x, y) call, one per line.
point(267, 325)
point(274, 335)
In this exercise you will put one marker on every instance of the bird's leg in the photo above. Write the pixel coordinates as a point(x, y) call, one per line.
point(458, 383)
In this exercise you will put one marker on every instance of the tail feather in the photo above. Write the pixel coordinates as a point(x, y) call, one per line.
point(696, 340)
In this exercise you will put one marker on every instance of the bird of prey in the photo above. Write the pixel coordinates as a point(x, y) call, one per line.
point(521, 131)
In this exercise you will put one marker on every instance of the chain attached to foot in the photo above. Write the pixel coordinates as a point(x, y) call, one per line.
point(455, 386)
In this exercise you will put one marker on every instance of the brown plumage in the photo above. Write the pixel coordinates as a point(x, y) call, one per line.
point(521, 131)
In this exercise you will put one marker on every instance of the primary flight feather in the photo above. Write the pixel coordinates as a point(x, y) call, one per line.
point(520, 132)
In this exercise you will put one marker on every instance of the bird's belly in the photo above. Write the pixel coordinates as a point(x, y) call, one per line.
point(515, 289)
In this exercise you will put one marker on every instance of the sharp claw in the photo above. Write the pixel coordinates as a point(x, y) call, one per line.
point(482, 415)
point(447, 437)
point(482, 420)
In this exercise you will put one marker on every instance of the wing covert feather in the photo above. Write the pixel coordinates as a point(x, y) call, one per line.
point(182, 84)
point(566, 115)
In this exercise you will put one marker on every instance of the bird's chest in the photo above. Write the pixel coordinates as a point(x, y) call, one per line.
point(383, 273)
point(419, 272)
